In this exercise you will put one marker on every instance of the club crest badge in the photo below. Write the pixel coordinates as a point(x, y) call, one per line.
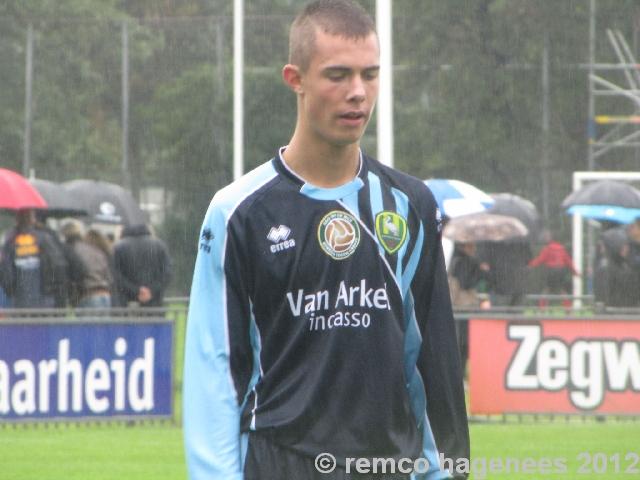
point(338, 234)
point(391, 230)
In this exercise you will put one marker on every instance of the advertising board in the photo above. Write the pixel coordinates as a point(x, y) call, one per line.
point(74, 370)
point(554, 366)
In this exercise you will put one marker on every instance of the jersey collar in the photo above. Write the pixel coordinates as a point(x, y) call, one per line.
point(318, 193)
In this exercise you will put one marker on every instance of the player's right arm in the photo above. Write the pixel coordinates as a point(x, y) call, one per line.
point(216, 353)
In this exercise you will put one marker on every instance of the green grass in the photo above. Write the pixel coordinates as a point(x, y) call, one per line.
point(92, 453)
point(556, 440)
point(180, 314)
point(155, 452)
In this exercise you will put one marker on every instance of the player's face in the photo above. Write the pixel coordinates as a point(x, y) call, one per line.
point(339, 89)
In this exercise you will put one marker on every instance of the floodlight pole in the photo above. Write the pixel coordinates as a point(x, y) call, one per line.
point(126, 176)
point(592, 101)
point(384, 24)
point(26, 164)
point(238, 89)
point(545, 128)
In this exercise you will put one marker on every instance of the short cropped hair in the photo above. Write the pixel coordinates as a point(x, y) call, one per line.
point(335, 17)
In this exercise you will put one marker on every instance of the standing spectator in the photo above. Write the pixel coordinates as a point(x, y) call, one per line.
point(633, 257)
point(94, 290)
point(143, 266)
point(5, 301)
point(96, 238)
point(465, 274)
point(320, 320)
point(559, 268)
point(507, 262)
point(21, 263)
point(614, 279)
point(62, 266)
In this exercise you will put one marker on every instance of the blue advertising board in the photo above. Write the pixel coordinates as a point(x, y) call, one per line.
point(86, 370)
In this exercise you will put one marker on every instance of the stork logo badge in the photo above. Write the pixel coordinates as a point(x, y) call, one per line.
point(391, 230)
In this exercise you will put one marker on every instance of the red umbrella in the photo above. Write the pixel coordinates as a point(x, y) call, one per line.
point(17, 193)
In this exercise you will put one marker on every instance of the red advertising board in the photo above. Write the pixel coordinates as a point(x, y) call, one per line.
point(554, 366)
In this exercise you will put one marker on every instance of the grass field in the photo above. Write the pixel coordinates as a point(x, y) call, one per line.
point(155, 452)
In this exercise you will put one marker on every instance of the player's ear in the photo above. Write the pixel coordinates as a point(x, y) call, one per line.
point(293, 77)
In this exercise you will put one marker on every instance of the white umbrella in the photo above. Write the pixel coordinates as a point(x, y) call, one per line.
point(484, 227)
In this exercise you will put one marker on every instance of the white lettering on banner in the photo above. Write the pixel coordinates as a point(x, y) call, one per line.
point(68, 367)
point(137, 387)
point(45, 369)
point(97, 380)
point(4, 388)
point(144, 367)
point(587, 367)
point(23, 395)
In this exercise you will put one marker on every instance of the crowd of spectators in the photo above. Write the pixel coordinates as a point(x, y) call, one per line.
point(81, 267)
point(616, 271)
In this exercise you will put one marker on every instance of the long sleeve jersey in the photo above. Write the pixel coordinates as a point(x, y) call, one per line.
point(321, 319)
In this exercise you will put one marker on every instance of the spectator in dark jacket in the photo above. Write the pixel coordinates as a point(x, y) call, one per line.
point(21, 264)
point(65, 267)
point(143, 266)
point(465, 274)
point(633, 257)
point(613, 279)
point(507, 276)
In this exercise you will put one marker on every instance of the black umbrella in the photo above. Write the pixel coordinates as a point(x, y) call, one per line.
point(61, 202)
point(107, 202)
point(605, 192)
point(524, 210)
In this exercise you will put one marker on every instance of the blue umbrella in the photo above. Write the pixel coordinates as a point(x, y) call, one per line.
point(611, 213)
point(456, 198)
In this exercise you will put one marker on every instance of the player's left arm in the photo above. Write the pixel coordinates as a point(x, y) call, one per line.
point(439, 361)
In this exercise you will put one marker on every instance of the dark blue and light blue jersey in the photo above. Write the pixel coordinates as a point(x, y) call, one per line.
point(321, 319)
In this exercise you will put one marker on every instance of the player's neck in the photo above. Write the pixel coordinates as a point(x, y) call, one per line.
point(323, 165)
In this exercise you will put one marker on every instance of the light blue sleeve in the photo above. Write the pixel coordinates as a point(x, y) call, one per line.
point(214, 446)
point(211, 414)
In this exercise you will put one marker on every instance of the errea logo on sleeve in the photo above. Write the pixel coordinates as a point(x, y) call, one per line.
point(280, 237)
point(205, 239)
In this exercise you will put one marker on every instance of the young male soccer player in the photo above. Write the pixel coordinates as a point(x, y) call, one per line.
point(320, 319)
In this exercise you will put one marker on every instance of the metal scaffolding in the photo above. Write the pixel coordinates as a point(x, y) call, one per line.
point(621, 131)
